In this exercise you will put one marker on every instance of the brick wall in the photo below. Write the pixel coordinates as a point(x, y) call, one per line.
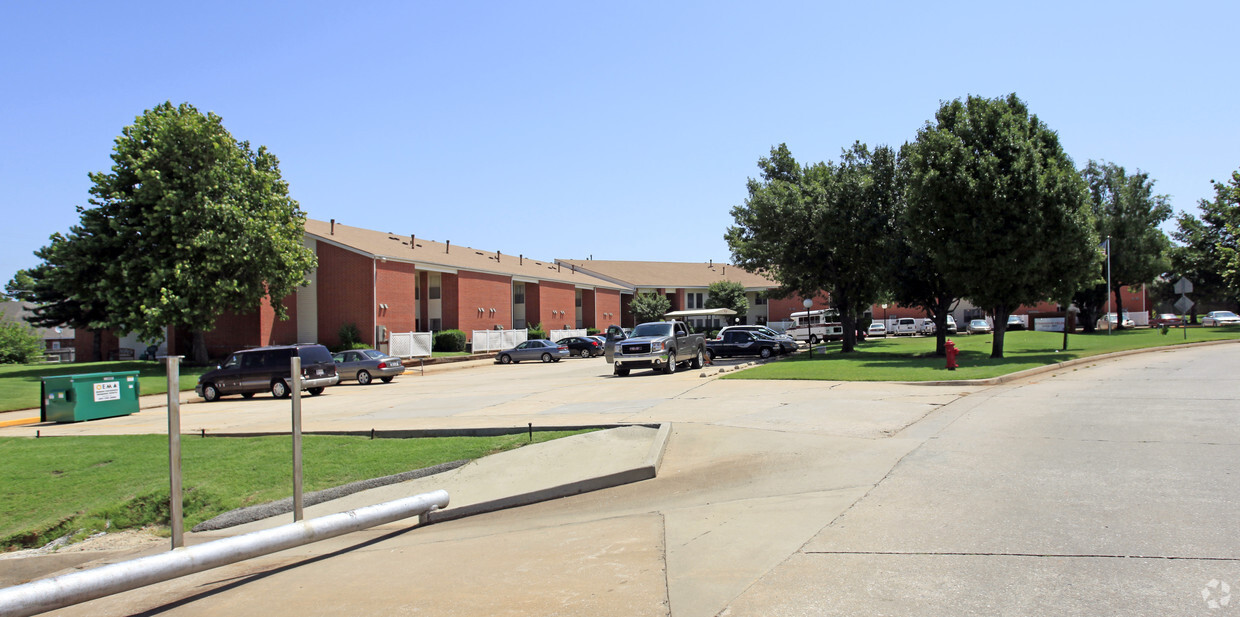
point(395, 286)
point(554, 297)
point(779, 309)
point(607, 309)
point(84, 344)
point(486, 291)
point(273, 331)
point(451, 301)
point(345, 289)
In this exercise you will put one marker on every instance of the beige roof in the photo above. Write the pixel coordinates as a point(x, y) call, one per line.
point(666, 274)
point(439, 255)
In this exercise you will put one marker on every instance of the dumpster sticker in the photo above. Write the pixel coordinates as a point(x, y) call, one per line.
point(107, 391)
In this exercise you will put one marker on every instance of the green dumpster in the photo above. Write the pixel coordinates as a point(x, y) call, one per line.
point(73, 398)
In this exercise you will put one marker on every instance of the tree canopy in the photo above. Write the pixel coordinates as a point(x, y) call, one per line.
point(1127, 211)
point(998, 208)
point(728, 295)
point(823, 226)
point(648, 307)
point(189, 223)
point(1209, 254)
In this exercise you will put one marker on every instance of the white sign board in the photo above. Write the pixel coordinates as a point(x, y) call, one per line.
point(1183, 304)
point(1183, 286)
point(107, 391)
point(1048, 324)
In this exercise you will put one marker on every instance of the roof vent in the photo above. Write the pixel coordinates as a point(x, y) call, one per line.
point(333, 227)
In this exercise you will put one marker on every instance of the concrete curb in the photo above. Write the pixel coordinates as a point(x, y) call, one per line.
point(1049, 368)
point(647, 470)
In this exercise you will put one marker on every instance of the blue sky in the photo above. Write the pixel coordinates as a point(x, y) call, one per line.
point(569, 130)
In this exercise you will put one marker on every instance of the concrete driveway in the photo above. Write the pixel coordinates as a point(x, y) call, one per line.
point(1104, 489)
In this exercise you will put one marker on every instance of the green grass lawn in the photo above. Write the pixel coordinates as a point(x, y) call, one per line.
point(56, 486)
point(913, 359)
point(19, 383)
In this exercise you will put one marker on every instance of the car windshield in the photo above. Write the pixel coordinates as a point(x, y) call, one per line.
point(373, 355)
point(978, 322)
point(653, 329)
point(1224, 314)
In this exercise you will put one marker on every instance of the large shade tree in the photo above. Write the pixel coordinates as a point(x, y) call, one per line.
point(188, 224)
point(1208, 253)
point(728, 295)
point(997, 207)
point(822, 226)
point(1128, 213)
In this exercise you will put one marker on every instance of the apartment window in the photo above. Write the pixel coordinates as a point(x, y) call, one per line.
point(759, 299)
point(695, 300)
point(436, 324)
point(518, 293)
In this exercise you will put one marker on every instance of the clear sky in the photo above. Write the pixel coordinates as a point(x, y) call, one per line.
point(580, 129)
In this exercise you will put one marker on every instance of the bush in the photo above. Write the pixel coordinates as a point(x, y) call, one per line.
point(349, 336)
point(19, 344)
point(449, 341)
point(591, 331)
point(535, 331)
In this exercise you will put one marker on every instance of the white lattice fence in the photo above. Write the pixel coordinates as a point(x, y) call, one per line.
point(556, 335)
point(495, 340)
point(410, 344)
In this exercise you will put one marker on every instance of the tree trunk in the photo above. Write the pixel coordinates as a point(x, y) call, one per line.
point(1119, 309)
point(199, 348)
point(941, 309)
point(1001, 315)
point(849, 323)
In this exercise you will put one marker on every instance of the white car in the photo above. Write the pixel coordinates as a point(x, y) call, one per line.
point(1110, 318)
point(877, 329)
point(1220, 318)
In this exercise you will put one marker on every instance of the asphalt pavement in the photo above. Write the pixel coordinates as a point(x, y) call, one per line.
point(1108, 487)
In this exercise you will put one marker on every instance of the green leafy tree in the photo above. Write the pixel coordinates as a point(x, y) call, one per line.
point(1127, 211)
point(189, 223)
point(998, 207)
point(825, 226)
point(19, 343)
point(649, 307)
point(1208, 245)
point(728, 295)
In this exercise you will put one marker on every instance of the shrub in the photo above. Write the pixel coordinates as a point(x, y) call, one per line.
point(449, 341)
point(19, 343)
point(591, 331)
point(349, 336)
point(536, 331)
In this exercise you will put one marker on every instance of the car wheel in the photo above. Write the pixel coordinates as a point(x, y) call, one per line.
point(248, 395)
point(764, 353)
point(546, 357)
point(710, 353)
point(622, 372)
point(209, 393)
point(505, 359)
point(363, 377)
point(813, 339)
point(279, 389)
point(315, 391)
point(697, 361)
point(386, 379)
point(670, 367)
point(592, 353)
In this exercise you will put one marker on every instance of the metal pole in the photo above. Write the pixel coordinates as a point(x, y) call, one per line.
point(76, 587)
point(174, 451)
point(298, 512)
point(1110, 323)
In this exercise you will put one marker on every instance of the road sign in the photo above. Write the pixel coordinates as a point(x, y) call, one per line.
point(1183, 286)
point(1183, 304)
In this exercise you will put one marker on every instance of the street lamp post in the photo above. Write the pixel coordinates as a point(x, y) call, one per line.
point(808, 303)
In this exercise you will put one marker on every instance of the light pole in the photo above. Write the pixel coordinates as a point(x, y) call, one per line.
point(808, 303)
point(884, 315)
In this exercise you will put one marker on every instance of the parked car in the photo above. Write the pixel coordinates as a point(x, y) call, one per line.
point(1220, 318)
point(979, 326)
point(1167, 319)
point(877, 329)
point(951, 324)
point(743, 343)
point(533, 349)
point(1014, 322)
point(584, 346)
point(1109, 318)
point(267, 369)
point(363, 365)
point(788, 343)
point(905, 325)
point(927, 327)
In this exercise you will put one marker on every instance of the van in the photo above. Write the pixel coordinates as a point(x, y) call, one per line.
point(905, 325)
point(267, 369)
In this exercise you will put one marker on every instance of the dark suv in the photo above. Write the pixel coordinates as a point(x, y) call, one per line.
point(267, 369)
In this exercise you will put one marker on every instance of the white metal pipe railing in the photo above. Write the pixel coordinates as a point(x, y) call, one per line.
point(69, 589)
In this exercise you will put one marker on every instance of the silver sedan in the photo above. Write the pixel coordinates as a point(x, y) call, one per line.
point(535, 349)
point(364, 365)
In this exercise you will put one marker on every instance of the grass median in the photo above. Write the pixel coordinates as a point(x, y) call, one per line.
point(913, 359)
point(75, 486)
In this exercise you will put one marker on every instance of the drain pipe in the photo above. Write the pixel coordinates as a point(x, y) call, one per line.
point(69, 589)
